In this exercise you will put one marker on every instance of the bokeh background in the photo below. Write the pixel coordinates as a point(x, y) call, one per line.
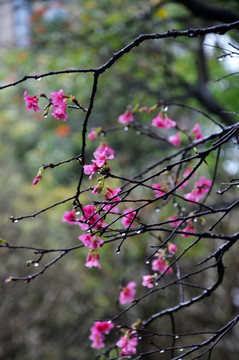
point(50, 318)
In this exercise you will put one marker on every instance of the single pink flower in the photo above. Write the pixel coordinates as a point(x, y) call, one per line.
point(126, 118)
point(174, 223)
point(90, 169)
point(105, 147)
point(128, 344)
point(31, 102)
point(159, 189)
point(172, 248)
point(97, 340)
point(127, 293)
point(127, 219)
point(92, 259)
point(70, 217)
point(196, 132)
point(149, 280)
point(58, 97)
point(186, 173)
point(103, 326)
point(101, 157)
point(202, 186)
point(175, 139)
point(92, 135)
point(97, 331)
point(160, 264)
point(112, 193)
point(92, 242)
point(189, 228)
point(60, 111)
point(163, 122)
point(191, 196)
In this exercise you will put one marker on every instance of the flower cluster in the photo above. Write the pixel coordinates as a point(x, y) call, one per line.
point(128, 344)
point(98, 332)
point(102, 153)
point(188, 229)
point(90, 218)
point(59, 105)
point(160, 265)
point(57, 102)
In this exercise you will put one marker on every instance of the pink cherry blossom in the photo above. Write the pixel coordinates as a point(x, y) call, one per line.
point(90, 169)
point(196, 131)
point(31, 102)
point(102, 147)
point(128, 344)
point(92, 242)
point(97, 340)
point(126, 118)
point(149, 280)
point(159, 189)
point(191, 196)
point(90, 217)
point(203, 186)
point(70, 217)
point(59, 105)
point(127, 293)
point(200, 188)
point(127, 219)
point(60, 112)
point(92, 135)
point(163, 122)
point(97, 331)
point(174, 223)
point(172, 248)
point(186, 173)
point(92, 259)
point(160, 264)
point(58, 97)
point(101, 157)
point(189, 228)
point(175, 139)
point(112, 193)
point(103, 326)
